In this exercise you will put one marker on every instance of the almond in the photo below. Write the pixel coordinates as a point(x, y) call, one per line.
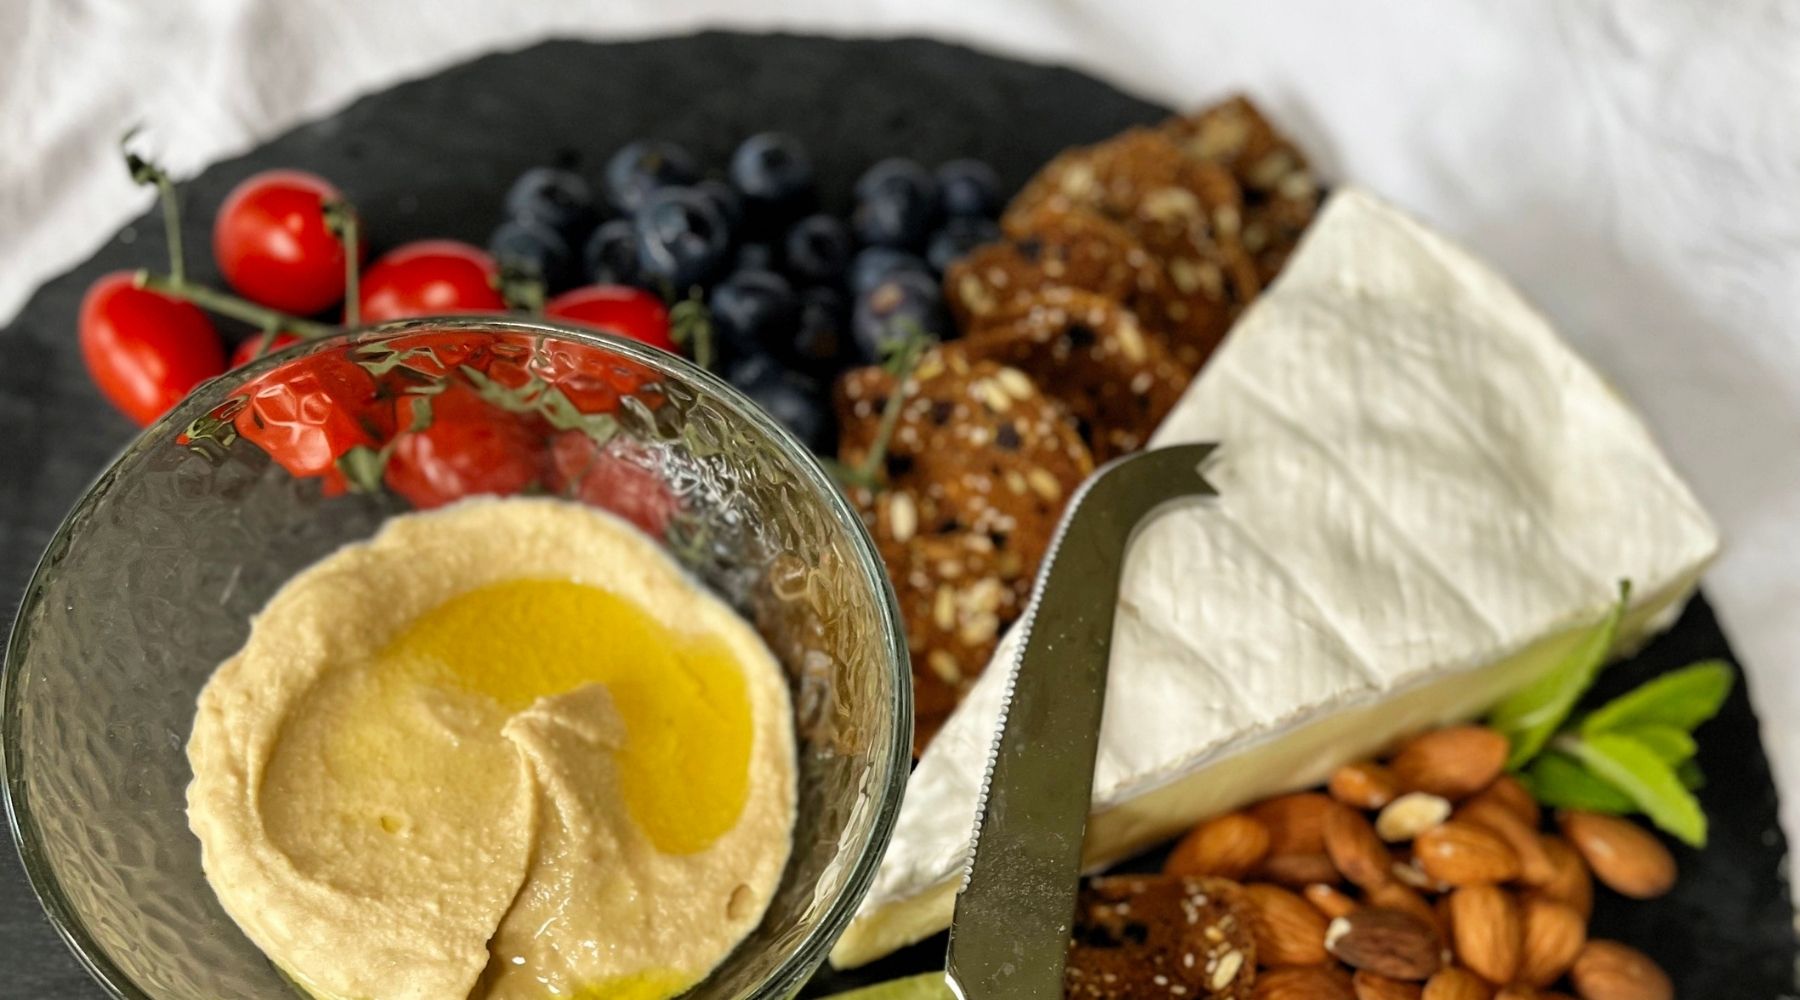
point(1295, 822)
point(1354, 848)
point(1329, 900)
point(1534, 865)
point(1507, 791)
point(1628, 859)
point(1410, 815)
point(1457, 984)
point(1553, 935)
point(1364, 785)
point(1486, 931)
point(1570, 881)
point(1608, 970)
point(1459, 853)
point(1230, 846)
point(1375, 986)
point(1395, 896)
point(1516, 991)
point(1455, 762)
point(1303, 983)
point(1394, 943)
point(1299, 870)
point(1287, 929)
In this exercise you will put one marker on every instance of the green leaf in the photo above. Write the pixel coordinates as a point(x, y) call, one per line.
point(1681, 698)
point(1559, 781)
point(1530, 716)
point(924, 986)
point(1637, 771)
point(1692, 778)
point(1670, 745)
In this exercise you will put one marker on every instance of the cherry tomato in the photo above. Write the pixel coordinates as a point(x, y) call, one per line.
point(619, 309)
point(251, 348)
point(430, 278)
point(308, 412)
point(271, 243)
point(145, 350)
point(470, 447)
point(614, 478)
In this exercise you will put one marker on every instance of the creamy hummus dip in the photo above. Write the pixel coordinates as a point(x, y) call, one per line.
point(503, 749)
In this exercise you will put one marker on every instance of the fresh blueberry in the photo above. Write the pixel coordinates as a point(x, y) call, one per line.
point(682, 240)
point(899, 305)
point(795, 401)
point(817, 250)
point(726, 199)
point(896, 201)
point(968, 188)
point(820, 336)
point(753, 313)
point(646, 166)
point(775, 175)
point(958, 236)
point(536, 249)
point(611, 254)
point(559, 199)
point(873, 264)
point(755, 257)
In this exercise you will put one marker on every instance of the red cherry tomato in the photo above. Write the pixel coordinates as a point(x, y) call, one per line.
point(251, 349)
point(470, 447)
point(628, 312)
point(271, 243)
point(430, 278)
point(615, 477)
point(145, 350)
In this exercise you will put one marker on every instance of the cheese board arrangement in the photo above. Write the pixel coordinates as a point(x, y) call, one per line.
point(1425, 702)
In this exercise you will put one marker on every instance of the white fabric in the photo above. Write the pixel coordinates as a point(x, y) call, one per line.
point(1633, 166)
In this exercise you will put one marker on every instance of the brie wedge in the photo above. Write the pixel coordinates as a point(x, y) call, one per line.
point(1425, 498)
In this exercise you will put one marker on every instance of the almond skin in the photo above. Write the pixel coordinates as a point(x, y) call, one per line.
point(1288, 930)
point(1570, 881)
point(1395, 896)
point(1364, 785)
point(1516, 992)
point(1608, 970)
point(1507, 791)
point(1625, 857)
point(1553, 934)
point(1375, 986)
point(1457, 983)
point(1329, 900)
point(1230, 846)
point(1355, 849)
point(1534, 864)
point(1454, 762)
point(1295, 822)
point(1393, 943)
point(1303, 983)
point(1486, 931)
point(1461, 853)
point(1299, 870)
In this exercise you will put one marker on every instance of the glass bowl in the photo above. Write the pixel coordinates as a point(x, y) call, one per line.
point(151, 581)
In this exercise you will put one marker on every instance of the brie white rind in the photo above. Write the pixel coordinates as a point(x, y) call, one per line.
point(1425, 498)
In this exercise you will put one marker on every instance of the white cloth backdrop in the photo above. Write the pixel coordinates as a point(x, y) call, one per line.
point(1634, 166)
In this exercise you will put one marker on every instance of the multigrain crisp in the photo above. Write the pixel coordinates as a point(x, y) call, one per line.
point(1147, 936)
point(1077, 249)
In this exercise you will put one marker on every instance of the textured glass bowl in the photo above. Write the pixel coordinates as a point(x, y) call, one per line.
point(152, 579)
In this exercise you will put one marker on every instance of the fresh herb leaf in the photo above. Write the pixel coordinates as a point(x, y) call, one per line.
point(1670, 745)
point(1531, 716)
point(1681, 699)
point(1637, 771)
point(1559, 781)
point(1692, 778)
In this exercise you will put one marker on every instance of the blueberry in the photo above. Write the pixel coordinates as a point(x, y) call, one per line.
point(755, 257)
point(898, 305)
point(682, 240)
point(958, 237)
point(817, 250)
point(968, 188)
point(796, 402)
point(643, 167)
point(610, 255)
point(896, 201)
point(753, 313)
point(726, 199)
point(536, 249)
point(559, 199)
point(775, 175)
point(875, 263)
point(820, 336)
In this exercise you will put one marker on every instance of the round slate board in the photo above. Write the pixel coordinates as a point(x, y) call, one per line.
point(432, 157)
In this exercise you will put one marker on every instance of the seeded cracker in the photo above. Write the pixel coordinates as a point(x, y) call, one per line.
point(1078, 249)
point(1147, 936)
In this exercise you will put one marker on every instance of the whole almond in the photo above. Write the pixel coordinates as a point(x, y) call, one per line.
point(1303, 983)
point(1295, 822)
point(1534, 864)
point(1517, 991)
point(1459, 853)
point(1509, 792)
point(1456, 983)
point(1410, 815)
point(1570, 881)
point(1394, 943)
point(1354, 848)
point(1486, 931)
point(1395, 896)
point(1299, 870)
point(1608, 970)
point(1406, 869)
point(1623, 856)
point(1364, 785)
point(1329, 900)
point(1287, 929)
point(1455, 762)
point(1375, 986)
point(1230, 846)
point(1553, 934)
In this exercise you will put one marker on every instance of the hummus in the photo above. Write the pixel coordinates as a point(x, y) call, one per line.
point(506, 749)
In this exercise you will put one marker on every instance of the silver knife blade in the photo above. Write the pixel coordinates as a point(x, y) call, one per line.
point(1010, 933)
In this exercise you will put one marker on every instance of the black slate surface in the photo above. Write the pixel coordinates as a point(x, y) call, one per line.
point(432, 157)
